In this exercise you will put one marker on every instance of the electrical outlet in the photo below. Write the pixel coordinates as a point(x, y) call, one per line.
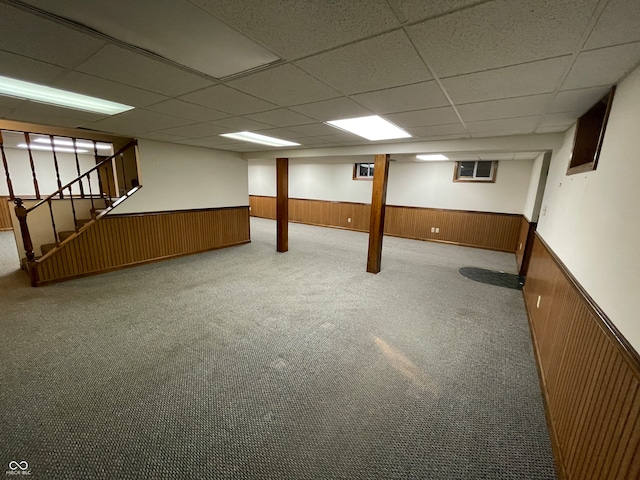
point(538, 303)
point(437, 229)
point(349, 219)
point(433, 229)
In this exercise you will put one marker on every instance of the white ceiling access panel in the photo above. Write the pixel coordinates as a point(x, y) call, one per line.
point(178, 31)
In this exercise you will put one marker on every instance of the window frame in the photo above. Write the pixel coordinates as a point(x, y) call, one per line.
point(356, 171)
point(474, 179)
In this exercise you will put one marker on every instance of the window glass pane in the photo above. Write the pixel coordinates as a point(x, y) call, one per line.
point(466, 169)
point(484, 170)
point(363, 169)
point(371, 169)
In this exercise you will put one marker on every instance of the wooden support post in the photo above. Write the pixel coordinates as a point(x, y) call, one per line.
point(282, 204)
point(378, 204)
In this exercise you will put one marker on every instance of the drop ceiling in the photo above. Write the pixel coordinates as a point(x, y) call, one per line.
point(442, 70)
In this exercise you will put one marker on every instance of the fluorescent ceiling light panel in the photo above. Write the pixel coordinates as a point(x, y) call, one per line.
point(60, 98)
point(433, 156)
point(69, 143)
point(261, 139)
point(49, 149)
point(372, 128)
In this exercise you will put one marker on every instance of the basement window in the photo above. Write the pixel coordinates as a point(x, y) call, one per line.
point(363, 171)
point(475, 171)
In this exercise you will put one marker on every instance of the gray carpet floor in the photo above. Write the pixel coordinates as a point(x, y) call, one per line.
point(244, 363)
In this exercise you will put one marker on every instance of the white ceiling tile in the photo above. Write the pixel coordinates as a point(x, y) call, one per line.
point(162, 137)
point(515, 81)
point(23, 68)
point(212, 141)
point(35, 108)
point(453, 136)
point(294, 29)
point(195, 130)
point(281, 118)
point(559, 119)
point(36, 37)
point(137, 121)
point(603, 67)
point(106, 89)
point(227, 100)
point(138, 70)
point(509, 107)
point(400, 99)
point(186, 110)
point(205, 48)
point(432, 130)
point(9, 103)
point(416, 10)
point(423, 118)
point(45, 119)
point(284, 85)
point(334, 109)
point(619, 23)
point(520, 124)
point(579, 100)
point(314, 129)
point(240, 124)
point(503, 133)
point(552, 129)
point(501, 33)
point(385, 61)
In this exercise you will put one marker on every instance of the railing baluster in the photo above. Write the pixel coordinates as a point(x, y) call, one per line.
point(114, 177)
point(33, 167)
point(6, 168)
point(124, 174)
point(93, 207)
point(55, 163)
point(53, 222)
point(75, 149)
point(95, 153)
point(73, 209)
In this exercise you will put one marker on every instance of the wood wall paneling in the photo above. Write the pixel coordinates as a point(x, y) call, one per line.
point(495, 231)
point(5, 213)
point(124, 240)
point(590, 376)
point(264, 207)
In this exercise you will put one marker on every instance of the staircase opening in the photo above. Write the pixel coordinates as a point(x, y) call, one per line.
point(62, 181)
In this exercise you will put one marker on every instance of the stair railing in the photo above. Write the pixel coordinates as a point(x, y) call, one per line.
point(114, 185)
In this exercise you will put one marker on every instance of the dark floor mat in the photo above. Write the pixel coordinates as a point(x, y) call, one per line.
point(500, 279)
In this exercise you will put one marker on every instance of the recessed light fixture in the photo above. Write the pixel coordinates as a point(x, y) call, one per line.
point(261, 139)
point(372, 128)
point(49, 149)
point(69, 143)
point(433, 156)
point(61, 98)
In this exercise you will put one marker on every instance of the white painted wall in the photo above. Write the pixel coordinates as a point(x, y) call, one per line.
point(428, 184)
point(182, 177)
point(21, 176)
point(592, 220)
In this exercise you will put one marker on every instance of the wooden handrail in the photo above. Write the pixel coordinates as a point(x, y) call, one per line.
point(79, 178)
